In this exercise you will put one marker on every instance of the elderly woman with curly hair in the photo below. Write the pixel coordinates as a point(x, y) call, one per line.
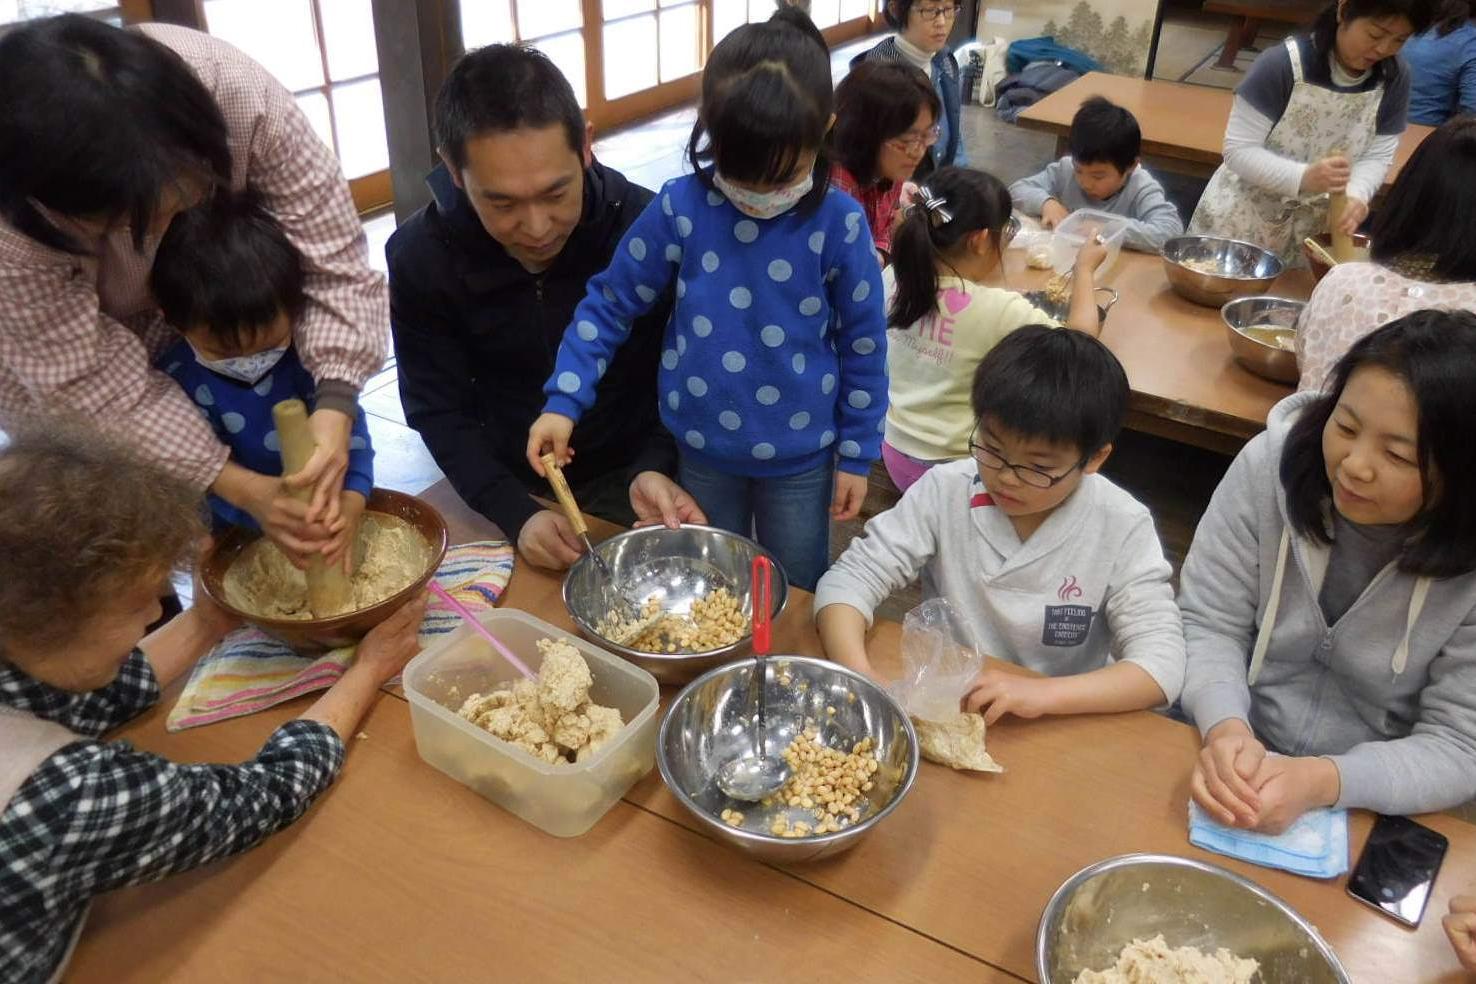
point(89, 534)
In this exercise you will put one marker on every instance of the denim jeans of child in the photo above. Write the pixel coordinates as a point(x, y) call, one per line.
point(790, 515)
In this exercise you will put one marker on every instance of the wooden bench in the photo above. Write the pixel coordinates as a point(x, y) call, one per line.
point(1252, 13)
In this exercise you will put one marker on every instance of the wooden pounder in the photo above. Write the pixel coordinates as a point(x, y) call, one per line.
point(329, 591)
point(1343, 249)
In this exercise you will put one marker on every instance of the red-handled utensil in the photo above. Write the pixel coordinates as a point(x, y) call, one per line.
point(754, 776)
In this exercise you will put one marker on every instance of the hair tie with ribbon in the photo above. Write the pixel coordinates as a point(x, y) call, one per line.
point(936, 206)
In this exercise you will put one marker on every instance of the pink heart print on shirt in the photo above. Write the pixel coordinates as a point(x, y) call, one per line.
point(956, 300)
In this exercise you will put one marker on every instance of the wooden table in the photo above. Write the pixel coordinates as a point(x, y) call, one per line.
point(403, 874)
point(1186, 385)
point(1183, 125)
point(1252, 13)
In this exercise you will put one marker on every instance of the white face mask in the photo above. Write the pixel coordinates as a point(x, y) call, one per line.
point(247, 369)
point(764, 204)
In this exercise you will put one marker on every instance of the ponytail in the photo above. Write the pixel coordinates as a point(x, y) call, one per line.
point(953, 204)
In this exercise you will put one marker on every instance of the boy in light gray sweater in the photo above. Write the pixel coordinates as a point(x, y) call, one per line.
point(1102, 172)
point(1052, 565)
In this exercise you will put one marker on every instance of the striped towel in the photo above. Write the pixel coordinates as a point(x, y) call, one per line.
point(250, 671)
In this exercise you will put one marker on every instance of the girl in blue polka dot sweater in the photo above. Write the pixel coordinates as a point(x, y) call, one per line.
point(773, 374)
point(227, 278)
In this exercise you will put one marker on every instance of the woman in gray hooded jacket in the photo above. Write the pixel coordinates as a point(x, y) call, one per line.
point(1329, 598)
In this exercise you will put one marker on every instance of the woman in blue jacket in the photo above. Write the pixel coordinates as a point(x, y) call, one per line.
point(922, 28)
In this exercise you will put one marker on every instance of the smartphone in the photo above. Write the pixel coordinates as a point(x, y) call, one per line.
point(1398, 867)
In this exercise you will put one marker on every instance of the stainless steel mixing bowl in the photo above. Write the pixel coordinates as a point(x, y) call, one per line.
point(712, 721)
point(678, 567)
point(1262, 358)
point(1241, 269)
point(1104, 907)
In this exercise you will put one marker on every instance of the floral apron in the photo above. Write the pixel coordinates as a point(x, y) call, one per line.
point(1316, 123)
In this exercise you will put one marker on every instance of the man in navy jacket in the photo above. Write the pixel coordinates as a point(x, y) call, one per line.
point(483, 282)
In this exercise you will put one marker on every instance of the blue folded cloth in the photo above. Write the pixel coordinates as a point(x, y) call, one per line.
point(1315, 846)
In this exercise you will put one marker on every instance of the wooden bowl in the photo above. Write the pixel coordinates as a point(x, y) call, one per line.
point(319, 634)
point(1319, 268)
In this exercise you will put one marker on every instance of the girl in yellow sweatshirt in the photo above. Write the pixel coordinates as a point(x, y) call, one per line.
point(946, 311)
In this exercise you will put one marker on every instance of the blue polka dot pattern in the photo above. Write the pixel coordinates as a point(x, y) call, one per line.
point(357, 443)
point(763, 451)
point(849, 449)
point(203, 396)
point(817, 243)
point(714, 199)
point(696, 385)
point(669, 359)
point(827, 439)
point(710, 261)
point(780, 271)
point(674, 400)
point(859, 399)
point(767, 395)
point(263, 388)
point(696, 440)
point(587, 331)
point(772, 336)
point(798, 363)
point(741, 298)
point(666, 204)
point(734, 361)
point(827, 383)
point(637, 248)
point(684, 226)
point(701, 326)
point(673, 253)
point(271, 442)
point(799, 421)
point(648, 295)
point(681, 345)
point(862, 291)
point(863, 346)
point(810, 306)
point(746, 231)
point(569, 382)
point(730, 420)
point(233, 422)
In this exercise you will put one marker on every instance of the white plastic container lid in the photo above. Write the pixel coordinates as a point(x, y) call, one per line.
point(1071, 235)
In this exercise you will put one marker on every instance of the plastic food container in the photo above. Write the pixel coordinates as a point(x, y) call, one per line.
point(563, 800)
point(1071, 235)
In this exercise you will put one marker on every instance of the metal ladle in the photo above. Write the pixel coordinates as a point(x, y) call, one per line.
point(754, 776)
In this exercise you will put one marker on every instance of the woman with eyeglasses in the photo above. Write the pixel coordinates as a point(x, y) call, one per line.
point(886, 118)
point(948, 308)
point(921, 40)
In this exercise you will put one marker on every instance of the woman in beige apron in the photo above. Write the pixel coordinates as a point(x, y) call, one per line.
point(1318, 123)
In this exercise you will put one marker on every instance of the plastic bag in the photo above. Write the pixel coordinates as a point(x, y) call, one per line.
point(940, 662)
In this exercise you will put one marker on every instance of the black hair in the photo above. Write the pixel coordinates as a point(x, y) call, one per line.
point(97, 121)
point(227, 268)
point(766, 102)
point(788, 13)
point(878, 101)
point(975, 201)
point(504, 87)
point(1055, 385)
point(1421, 216)
point(1434, 353)
point(1455, 14)
point(897, 18)
point(1420, 14)
point(1104, 132)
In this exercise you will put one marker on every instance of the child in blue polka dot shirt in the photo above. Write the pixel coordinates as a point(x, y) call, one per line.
point(230, 282)
point(773, 374)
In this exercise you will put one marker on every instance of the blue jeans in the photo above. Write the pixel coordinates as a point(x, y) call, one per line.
point(789, 515)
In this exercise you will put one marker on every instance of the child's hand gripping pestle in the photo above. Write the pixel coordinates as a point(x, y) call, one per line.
point(328, 588)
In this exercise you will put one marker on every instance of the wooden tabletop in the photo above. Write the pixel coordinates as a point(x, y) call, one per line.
point(1186, 384)
point(401, 873)
point(1180, 123)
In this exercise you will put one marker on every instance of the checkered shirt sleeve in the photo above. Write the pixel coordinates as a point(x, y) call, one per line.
point(101, 815)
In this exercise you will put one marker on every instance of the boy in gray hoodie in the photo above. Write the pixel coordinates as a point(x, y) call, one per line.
point(1103, 172)
point(1052, 565)
point(1330, 595)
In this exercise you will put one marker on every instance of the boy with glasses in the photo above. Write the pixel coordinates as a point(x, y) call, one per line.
point(921, 40)
point(1052, 565)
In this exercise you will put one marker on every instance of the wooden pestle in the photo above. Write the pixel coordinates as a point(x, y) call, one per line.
point(329, 591)
point(1343, 249)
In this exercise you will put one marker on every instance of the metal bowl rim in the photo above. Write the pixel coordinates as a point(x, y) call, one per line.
point(781, 596)
point(756, 837)
point(1290, 302)
point(1071, 884)
point(1164, 252)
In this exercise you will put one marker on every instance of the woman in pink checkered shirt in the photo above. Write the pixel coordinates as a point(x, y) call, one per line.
point(886, 116)
point(107, 133)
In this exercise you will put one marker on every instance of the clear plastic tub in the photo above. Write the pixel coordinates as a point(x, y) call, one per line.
point(563, 800)
point(1072, 232)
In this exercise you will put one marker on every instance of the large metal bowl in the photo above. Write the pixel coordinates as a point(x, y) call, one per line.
point(1242, 269)
point(1262, 358)
point(711, 722)
point(317, 634)
point(677, 566)
point(1061, 310)
point(1104, 907)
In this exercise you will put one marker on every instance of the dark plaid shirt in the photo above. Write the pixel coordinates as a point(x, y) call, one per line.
point(100, 815)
